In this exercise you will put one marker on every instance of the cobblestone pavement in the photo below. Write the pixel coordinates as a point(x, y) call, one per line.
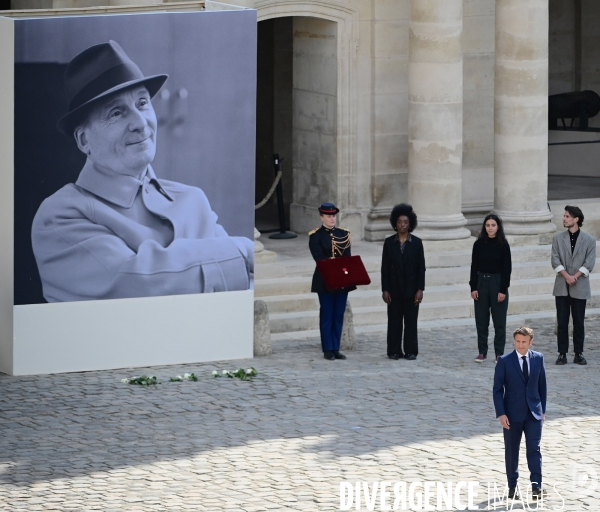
point(285, 441)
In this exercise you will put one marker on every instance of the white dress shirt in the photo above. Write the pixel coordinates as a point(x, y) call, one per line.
point(521, 361)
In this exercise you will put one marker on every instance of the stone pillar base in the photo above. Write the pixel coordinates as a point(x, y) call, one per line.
point(262, 330)
point(542, 239)
point(464, 244)
point(378, 227)
point(261, 255)
point(348, 341)
point(526, 223)
point(448, 227)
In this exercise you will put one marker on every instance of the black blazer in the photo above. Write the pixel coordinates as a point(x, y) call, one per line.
point(402, 274)
point(319, 244)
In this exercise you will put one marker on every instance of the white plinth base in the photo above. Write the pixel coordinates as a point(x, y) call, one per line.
point(99, 335)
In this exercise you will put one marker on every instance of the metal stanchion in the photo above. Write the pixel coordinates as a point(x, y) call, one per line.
point(283, 233)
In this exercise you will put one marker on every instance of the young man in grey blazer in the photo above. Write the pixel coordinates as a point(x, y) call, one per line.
point(573, 258)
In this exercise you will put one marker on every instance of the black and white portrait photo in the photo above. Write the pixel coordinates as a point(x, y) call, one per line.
point(134, 156)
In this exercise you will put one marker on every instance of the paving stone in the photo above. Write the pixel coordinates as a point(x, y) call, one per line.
point(284, 441)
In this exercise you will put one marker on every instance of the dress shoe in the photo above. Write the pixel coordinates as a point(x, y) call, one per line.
point(329, 356)
point(579, 359)
point(395, 356)
point(410, 357)
point(338, 355)
point(512, 492)
point(480, 358)
point(562, 359)
point(536, 492)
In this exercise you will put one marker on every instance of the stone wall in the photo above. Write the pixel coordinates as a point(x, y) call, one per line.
point(389, 102)
point(478, 110)
point(562, 54)
point(315, 138)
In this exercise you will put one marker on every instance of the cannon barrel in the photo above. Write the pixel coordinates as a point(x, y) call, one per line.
point(569, 105)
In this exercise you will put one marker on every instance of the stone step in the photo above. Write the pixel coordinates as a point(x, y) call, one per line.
point(304, 267)
point(518, 319)
point(433, 277)
point(372, 297)
point(371, 315)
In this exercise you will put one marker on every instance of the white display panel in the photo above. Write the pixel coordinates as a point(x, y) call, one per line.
point(104, 334)
point(206, 140)
point(7, 36)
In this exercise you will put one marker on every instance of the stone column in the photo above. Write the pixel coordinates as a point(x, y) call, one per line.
point(435, 73)
point(521, 117)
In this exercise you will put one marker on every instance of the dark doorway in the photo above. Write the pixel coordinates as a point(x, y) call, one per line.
point(574, 151)
point(274, 101)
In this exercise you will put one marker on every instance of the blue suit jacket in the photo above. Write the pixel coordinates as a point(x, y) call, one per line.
point(512, 396)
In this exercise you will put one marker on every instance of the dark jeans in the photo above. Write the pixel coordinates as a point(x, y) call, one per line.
point(512, 442)
point(402, 313)
point(331, 319)
point(566, 306)
point(488, 287)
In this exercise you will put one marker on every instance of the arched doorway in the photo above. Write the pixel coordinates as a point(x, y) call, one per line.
point(297, 98)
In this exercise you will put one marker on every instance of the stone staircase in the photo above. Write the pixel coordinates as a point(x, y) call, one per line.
point(294, 312)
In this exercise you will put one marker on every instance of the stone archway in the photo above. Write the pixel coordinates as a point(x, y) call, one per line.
point(324, 106)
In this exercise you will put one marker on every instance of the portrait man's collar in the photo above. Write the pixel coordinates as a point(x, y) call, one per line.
point(115, 188)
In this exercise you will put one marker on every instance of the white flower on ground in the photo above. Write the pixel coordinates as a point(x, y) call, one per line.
point(215, 372)
point(225, 372)
point(125, 381)
point(250, 371)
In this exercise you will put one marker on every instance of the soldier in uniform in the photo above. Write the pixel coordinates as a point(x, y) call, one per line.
point(330, 241)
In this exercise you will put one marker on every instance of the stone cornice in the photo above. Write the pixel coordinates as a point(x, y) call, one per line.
point(197, 5)
point(308, 5)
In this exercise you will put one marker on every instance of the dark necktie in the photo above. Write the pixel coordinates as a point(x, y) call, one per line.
point(525, 368)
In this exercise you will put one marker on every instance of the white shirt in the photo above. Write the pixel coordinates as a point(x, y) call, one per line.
point(521, 360)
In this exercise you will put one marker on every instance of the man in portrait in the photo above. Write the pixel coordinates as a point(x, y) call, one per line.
point(119, 231)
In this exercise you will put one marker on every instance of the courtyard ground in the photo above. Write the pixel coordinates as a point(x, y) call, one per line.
point(285, 441)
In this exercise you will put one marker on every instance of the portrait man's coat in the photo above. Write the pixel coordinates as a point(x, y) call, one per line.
point(113, 236)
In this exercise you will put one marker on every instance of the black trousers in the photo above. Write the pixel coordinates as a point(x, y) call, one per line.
point(402, 315)
point(488, 287)
point(566, 306)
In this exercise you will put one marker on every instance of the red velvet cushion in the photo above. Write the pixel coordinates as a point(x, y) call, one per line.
point(343, 272)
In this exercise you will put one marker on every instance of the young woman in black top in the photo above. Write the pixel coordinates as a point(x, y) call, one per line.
point(491, 267)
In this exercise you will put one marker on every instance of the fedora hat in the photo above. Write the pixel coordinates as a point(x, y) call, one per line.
point(95, 73)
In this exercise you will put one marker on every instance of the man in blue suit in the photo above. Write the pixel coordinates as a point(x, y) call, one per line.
point(520, 402)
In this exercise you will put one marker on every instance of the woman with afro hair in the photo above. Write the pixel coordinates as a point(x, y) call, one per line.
point(403, 283)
